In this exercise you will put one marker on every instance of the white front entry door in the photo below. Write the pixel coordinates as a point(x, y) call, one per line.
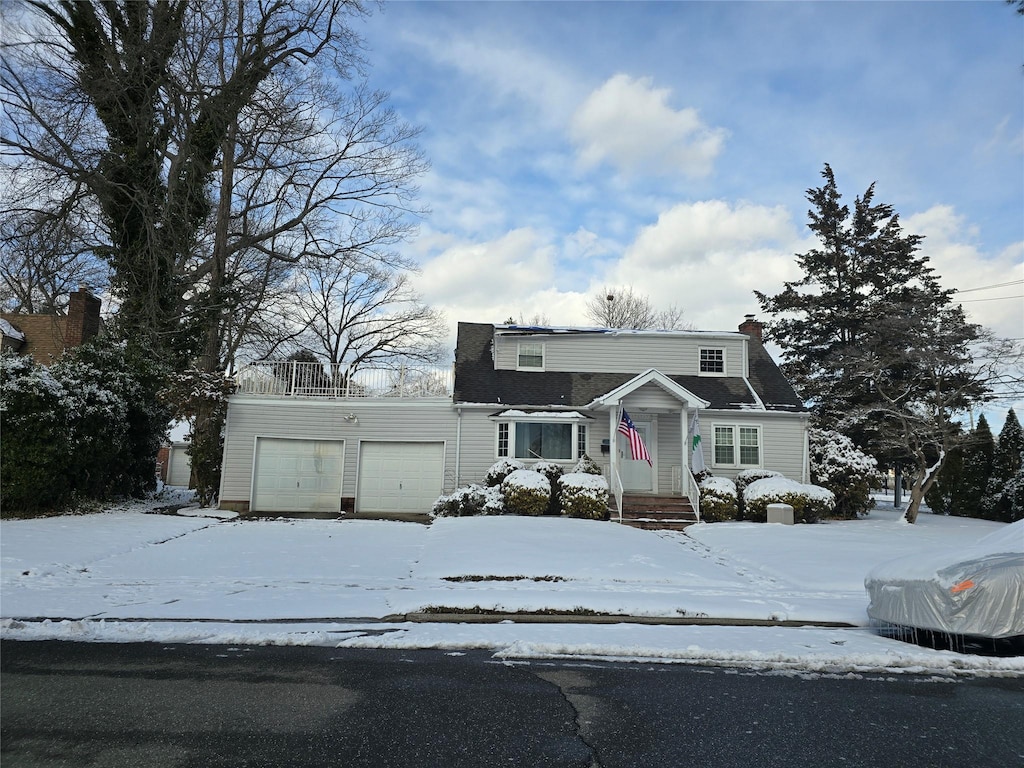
point(637, 476)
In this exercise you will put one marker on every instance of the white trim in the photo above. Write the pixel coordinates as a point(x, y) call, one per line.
point(574, 437)
point(725, 361)
point(616, 396)
point(736, 427)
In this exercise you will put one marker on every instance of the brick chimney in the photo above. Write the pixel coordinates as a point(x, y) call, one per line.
point(752, 327)
point(83, 317)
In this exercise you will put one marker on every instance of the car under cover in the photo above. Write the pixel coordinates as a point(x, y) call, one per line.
point(976, 590)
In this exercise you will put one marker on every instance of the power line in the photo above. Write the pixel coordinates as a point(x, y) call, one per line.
point(986, 287)
point(994, 298)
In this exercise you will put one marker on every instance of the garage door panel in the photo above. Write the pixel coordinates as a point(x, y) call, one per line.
point(297, 475)
point(400, 477)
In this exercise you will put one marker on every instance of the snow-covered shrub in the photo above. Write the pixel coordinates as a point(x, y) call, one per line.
point(36, 450)
point(552, 472)
point(584, 495)
point(500, 470)
point(526, 492)
point(745, 478)
point(469, 500)
point(810, 503)
point(587, 466)
point(718, 499)
point(89, 426)
point(838, 465)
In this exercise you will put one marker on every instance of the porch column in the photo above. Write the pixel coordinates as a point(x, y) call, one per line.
point(613, 454)
point(684, 479)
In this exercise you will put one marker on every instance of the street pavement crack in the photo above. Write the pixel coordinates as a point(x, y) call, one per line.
point(568, 685)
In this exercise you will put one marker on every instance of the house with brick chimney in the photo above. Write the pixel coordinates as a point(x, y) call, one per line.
point(306, 437)
point(45, 337)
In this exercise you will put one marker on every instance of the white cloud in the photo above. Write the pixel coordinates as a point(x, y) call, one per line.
point(629, 124)
point(488, 281)
point(960, 265)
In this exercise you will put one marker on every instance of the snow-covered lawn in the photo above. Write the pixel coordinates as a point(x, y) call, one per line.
point(127, 575)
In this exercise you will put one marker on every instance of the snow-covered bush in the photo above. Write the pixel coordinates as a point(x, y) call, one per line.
point(745, 478)
point(469, 500)
point(526, 492)
point(584, 495)
point(718, 499)
point(838, 465)
point(89, 426)
point(810, 503)
point(587, 466)
point(500, 470)
point(552, 472)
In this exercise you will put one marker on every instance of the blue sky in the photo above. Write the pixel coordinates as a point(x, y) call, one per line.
point(668, 146)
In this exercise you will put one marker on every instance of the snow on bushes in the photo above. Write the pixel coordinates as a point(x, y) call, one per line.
point(838, 465)
point(810, 502)
point(526, 492)
point(584, 495)
point(500, 470)
point(470, 500)
point(87, 427)
point(745, 478)
point(586, 465)
point(718, 499)
point(552, 472)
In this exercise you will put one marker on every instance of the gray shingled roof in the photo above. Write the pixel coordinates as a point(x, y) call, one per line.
point(476, 381)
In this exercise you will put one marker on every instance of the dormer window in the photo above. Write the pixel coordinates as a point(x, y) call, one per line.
point(530, 356)
point(712, 361)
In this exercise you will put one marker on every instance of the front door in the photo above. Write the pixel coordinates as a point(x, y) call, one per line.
point(637, 476)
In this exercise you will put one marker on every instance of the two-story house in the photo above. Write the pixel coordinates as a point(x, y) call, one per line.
point(311, 439)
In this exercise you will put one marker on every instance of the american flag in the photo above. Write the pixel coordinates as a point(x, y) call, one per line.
point(637, 449)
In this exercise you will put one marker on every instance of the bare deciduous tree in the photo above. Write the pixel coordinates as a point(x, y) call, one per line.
point(622, 307)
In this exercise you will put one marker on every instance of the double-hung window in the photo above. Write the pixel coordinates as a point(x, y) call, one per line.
point(555, 439)
point(530, 356)
point(712, 361)
point(737, 445)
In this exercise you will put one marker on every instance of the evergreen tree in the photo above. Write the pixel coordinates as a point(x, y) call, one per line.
point(978, 452)
point(873, 342)
point(1004, 499)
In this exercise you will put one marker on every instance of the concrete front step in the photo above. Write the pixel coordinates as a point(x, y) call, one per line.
point(656, 525)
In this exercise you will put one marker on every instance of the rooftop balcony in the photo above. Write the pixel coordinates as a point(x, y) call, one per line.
point(288, 378)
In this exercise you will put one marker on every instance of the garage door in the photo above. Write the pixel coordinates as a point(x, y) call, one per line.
point(399, 477)
point(297, 475)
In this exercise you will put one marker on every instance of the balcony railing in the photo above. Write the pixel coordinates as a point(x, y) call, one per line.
point(300, 379)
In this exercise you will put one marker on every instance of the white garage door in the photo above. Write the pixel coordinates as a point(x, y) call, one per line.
point(297, 475)
point(400, 477)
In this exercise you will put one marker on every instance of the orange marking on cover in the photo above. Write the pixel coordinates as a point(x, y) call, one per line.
point(963, 586)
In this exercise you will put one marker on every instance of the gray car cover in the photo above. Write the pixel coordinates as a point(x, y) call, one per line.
point(975, 590)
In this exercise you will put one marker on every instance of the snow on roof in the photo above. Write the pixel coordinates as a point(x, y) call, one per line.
point(517, 414)
point(557, 329)
point(10, 331)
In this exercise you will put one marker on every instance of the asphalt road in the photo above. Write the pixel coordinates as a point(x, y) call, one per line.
point(149, 705)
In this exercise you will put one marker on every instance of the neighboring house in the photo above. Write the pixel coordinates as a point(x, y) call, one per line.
point(173, 465)
point(45, 337)
point(300, 437)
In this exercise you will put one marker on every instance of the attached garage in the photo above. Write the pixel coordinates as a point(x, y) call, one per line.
point(292, 475)
point(399, 477)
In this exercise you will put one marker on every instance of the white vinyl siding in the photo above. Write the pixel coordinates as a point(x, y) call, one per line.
point(179, 469)
point(674, 354)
